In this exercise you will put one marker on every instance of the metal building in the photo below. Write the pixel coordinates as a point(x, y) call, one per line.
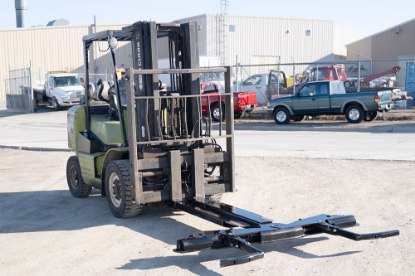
point(254, 40)
point(391, 47)
point(267, 40)
point(48, 49)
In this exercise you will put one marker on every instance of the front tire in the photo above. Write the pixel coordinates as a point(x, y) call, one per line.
point(119, 190)
point(354, 114)
point(76, 183)
point(281, 115)
point(55, 104)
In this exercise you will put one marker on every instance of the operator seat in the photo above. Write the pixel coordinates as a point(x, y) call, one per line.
point(107, 93)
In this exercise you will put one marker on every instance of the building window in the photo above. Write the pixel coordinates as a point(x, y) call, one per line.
point(232, 28)
point(307, 33)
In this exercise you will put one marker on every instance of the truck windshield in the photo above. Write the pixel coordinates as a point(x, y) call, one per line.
point(67, 81)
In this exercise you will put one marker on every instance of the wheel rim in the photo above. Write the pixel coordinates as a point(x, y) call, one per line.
point(281, 116)
point(354, 114)
point(74, 177)
point(216, 113)
point(115, 191)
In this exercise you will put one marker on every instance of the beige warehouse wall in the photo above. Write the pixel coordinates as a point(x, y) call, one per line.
point(50, 48)
point(44, 48)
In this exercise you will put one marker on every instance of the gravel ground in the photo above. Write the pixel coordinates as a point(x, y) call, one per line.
point(45, 231)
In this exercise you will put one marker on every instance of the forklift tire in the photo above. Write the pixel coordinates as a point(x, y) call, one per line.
point(119, 190)
point(74, 178)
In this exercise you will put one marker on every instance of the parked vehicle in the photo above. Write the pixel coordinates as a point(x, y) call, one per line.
point(214, 104)
point(330, 98)
point(338, 72)
point(267, 86)
point(60, 90)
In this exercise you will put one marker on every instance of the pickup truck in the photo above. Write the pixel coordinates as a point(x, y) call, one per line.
point(214, 102)
point(267, 86)
point(60, 90)
point(330, 98)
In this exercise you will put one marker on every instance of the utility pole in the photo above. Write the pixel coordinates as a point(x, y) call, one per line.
point(221, 31)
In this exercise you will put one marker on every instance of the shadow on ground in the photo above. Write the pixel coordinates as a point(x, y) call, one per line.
point(193, 262)
point(58, 211)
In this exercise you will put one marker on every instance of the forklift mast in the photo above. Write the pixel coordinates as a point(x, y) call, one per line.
point(174, 150)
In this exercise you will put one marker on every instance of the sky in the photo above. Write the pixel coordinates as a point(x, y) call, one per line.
point(367, 16)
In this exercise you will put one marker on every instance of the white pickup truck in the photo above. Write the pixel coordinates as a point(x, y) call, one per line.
point(266, 85)
point(60, 90)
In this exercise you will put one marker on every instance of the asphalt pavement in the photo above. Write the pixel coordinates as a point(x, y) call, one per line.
point(381, 139)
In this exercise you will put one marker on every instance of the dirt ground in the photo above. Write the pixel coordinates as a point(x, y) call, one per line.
point(44, 230)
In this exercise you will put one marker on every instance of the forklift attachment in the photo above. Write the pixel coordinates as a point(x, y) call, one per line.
point(248, 227)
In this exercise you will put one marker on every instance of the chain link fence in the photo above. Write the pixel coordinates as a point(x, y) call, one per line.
point(19, 92)
point(271, 81)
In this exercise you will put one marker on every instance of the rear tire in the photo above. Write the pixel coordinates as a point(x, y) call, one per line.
point(215, 112)
point(354, 114)
point(119, 190)
point(281, 115)
point(74, 178)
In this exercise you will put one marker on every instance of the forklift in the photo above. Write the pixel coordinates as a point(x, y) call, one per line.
point(141, 144)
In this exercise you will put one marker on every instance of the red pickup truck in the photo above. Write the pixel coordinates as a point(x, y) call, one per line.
point(242, 101)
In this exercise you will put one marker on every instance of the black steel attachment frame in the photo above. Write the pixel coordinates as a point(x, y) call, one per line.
point(248, 227)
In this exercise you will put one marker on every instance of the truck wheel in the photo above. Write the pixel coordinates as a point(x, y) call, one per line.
point(298, 118)
point(370, 116)
point(237, 115)
point(74, 178)
point(347, 84)
point(354, 114)
point(119, 190)
point(215, 112)
point(55, 105)
point(281, 115)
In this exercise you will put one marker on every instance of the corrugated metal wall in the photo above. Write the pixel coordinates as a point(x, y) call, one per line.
point(253, 39)
point(265, 40)
point(391, 47)
point(361, 49)
point(257, 39)
point(47, 49)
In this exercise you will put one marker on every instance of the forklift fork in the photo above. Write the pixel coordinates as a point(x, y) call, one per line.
point(247, 227)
